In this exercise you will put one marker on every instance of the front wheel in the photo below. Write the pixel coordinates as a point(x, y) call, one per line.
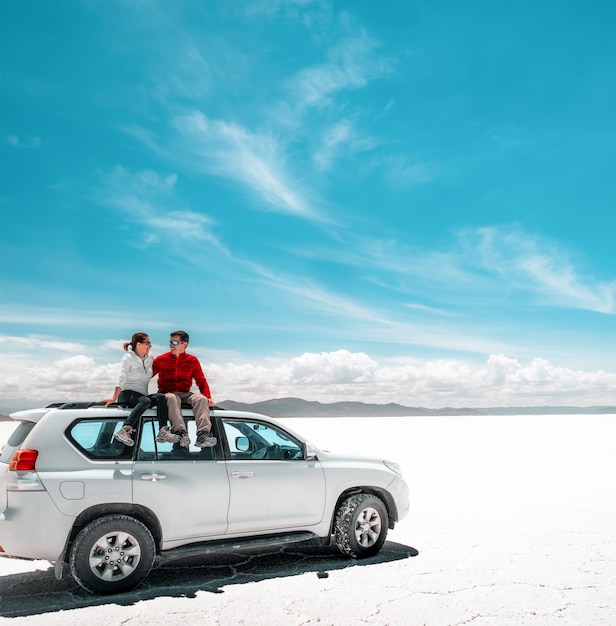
point(112, 554)
point(360, 527)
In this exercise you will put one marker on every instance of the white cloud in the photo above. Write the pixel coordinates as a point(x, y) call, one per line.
point(341, 375)
point(332, 368)
point(76, 377)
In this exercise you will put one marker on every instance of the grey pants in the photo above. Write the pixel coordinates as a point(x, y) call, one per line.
point(200, 405)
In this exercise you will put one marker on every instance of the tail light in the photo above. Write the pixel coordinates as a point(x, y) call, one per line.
point(23, 461)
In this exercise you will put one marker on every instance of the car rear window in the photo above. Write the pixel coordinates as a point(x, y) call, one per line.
point(15, 440)
point(94, 437)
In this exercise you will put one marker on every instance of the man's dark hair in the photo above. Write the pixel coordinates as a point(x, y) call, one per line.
point(181, 334)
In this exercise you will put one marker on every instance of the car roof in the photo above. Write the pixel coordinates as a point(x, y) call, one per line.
point(97, 409)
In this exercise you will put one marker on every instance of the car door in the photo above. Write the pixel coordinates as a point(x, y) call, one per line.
point(272, 486)
point(187, 488)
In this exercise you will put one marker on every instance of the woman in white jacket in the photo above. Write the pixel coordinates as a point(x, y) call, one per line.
point(132, 390)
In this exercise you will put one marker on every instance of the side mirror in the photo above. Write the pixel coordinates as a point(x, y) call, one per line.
point(310, 452)
point(242, 444)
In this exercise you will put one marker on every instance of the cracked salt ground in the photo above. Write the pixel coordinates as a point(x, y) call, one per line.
point(512, 523)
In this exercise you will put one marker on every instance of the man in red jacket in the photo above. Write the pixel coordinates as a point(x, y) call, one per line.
point(176, 371)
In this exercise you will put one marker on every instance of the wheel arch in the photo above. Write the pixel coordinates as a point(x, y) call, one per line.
point(145, 515)
point(382, 494)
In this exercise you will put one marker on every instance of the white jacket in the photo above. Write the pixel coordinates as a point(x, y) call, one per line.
point(135, 372)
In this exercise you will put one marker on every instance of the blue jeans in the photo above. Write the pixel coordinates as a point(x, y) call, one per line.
point(141, 403)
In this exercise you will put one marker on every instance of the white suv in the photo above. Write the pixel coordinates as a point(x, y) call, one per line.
point(72, 494)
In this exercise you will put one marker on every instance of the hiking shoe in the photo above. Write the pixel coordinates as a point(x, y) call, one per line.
point(204, 440)
point(166, 436)
point(183, 438)
point(124, 435)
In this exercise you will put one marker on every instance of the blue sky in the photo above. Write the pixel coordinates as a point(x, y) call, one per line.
point(388, 202)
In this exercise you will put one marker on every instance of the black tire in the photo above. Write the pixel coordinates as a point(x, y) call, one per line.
point(361, 524)
point(112, 554)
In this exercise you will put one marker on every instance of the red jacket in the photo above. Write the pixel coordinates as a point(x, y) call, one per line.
point(176, 373)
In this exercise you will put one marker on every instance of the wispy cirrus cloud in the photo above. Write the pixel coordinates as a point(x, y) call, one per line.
point(406, 171)
point(273, 7)
point(36, 342)
point(69, 317)
point(315, 100)
point(269, 161)
point(314, 296)
point(340, 139)
point(503, 263)
point(260, 159)
point(538, 265)
point(388, 323)
point(257, 160)
point(332, 139)
point(350, 65)
point(148, 198)
point(23, 142)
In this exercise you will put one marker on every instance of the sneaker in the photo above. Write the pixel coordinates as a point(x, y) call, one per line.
point(183, 438)
point(204, 440)
point(124, 435)
point(166, 436)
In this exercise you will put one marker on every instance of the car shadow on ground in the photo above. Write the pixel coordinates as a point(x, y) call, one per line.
point(38, 592)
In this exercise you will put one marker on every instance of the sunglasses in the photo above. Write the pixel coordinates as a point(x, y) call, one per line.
point(149, 343)
point(175, 342)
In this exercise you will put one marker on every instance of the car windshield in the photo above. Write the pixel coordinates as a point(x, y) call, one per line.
point(256, 440)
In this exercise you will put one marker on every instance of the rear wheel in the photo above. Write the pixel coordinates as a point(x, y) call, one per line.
point(112, 554)
point(360, 526)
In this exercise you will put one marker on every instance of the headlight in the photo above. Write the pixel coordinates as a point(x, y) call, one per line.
point(394, 467)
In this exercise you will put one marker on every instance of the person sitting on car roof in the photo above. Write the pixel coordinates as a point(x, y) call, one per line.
point(132, 390)
point(176, 371)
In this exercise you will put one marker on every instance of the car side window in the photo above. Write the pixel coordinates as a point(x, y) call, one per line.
point(94, 437)
point(252, 440)
point(152, 450)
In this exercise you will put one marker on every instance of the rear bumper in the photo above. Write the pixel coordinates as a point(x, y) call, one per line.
point(39, 534)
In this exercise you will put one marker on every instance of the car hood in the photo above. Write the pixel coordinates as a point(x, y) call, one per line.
point(333, 457)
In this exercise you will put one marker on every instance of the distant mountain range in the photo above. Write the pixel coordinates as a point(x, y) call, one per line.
point(297, 407)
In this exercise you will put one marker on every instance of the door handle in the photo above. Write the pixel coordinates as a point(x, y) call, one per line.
point(242, 474)
point(154, 477)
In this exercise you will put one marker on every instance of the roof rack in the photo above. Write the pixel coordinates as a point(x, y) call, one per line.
point(88, 404)
point(75, 405)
